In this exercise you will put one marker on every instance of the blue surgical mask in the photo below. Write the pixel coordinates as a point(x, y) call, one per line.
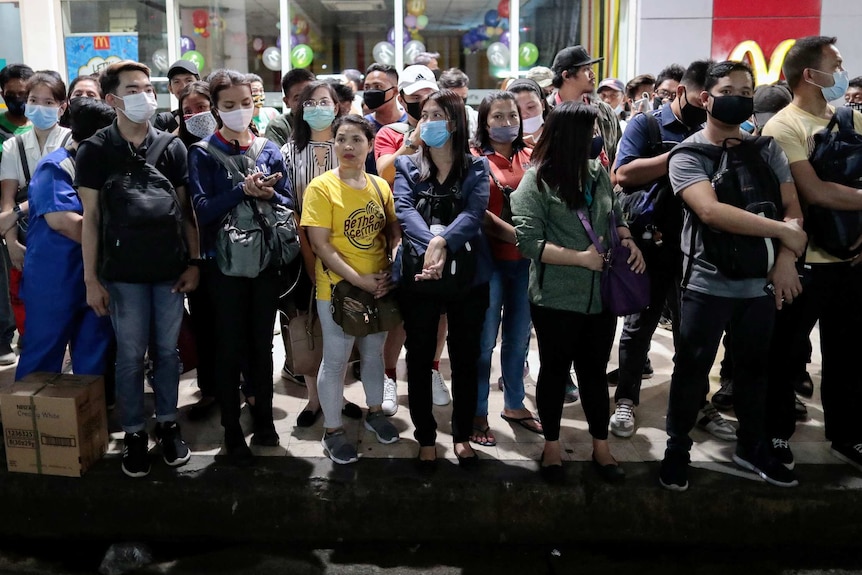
point(435, 134)
point(319, 117)
point(504, 134)
point(43, 117)
point(839, 86)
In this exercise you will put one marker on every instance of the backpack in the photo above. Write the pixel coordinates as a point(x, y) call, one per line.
point(837, 157)
point(742, 178)
point(21, 194)
point(142, 237)
point(255, 234)
point(653, 212)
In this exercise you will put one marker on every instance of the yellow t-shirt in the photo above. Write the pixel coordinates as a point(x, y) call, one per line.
point(794, 128)
point(357, 222)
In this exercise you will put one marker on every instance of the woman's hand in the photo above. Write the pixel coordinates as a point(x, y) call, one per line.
point(16, 254)
point(592, 259)
point(636, 259)
point(435, 259)
point(374, 283)
point(256, 186)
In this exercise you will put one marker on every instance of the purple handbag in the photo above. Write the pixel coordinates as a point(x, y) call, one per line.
point(624, 291)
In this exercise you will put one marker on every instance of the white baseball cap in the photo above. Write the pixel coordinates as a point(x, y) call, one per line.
point(415, 78)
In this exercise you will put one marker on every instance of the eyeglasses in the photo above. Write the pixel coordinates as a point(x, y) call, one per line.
point(312, 104)
point(665, 95)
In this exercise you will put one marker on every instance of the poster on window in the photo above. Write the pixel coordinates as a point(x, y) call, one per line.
point(91, 53)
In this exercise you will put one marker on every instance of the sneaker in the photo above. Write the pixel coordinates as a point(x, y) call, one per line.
point(848, 453)
point(673, 474)
point(377, 423)
point(665, 323)
point(800, 410)
point(723, 398)
point(136, 458)
point(174, 450)
point(709, 419)
point(780, 450)
point(290, 376)
point(439, 391)
point(7, 354)
point(767, 467)
point(623, 419)
point(338, 448)
point(804, 386)
point(390, 396)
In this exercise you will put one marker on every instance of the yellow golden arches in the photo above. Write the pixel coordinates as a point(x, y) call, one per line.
point(763, 73)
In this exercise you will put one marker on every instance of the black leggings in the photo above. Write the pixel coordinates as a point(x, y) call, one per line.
point(567, 337)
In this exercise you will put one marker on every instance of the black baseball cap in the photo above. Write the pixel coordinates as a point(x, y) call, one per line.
point(768, 100)
point(572, 57)
point(183, 67)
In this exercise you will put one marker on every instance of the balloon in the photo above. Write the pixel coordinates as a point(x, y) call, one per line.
point(205, 33)
point(479, 33)
point(528, 54)
point(415, 35)
point(384, 53)
point(491, 18)
point(503, 8)
point(391, 36)
point(257, 44)
point(467, 40)
point(200, 18)
point(196, 58)
point(504, 38)
point(272, 58)
point(421, 21)
point(302, 38)
point(498, 54)
point(160, 60)
point(301, 56)
point(301, 24)
point(504, 23)
point(278, 41)
point(415, 7)
point(294, 40)
point(412, 49)
point(410, 21)
point(490, 32)
point(186, 44)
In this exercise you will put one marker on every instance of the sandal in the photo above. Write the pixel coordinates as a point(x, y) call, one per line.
point(488, 441)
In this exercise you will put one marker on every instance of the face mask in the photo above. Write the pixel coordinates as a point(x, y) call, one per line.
point(504, 134)
point(414, 109)
point(855, 105)
point(692, 116)
point(435, 134)
point(619, 109)
point(43, 117)
point(16, 105)
point(532, 125)
point(376, 98)
point(596, 147)
point(836, 90)
point(201, 125)
point(139, 107)
point(319, 117)
point(657, 103)
point(732, 110)
point(237, 120)
point(259, 100)
point(748, 126)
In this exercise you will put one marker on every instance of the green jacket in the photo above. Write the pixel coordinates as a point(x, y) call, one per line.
point(279, 129)
point(541, 217)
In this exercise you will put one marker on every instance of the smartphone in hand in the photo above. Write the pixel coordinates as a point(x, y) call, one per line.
point(271, 179)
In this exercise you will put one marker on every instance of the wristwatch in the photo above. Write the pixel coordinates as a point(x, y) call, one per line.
point(410, 144)
point(18, 213)
point(197, 262)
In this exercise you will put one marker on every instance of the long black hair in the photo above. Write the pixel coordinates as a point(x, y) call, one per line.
point(301, 134)
point(200, 88)
point(482, 139)
point(453, 106)
point(561, 157)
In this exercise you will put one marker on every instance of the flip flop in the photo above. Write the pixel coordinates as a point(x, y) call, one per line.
point(522, 421)
point(487, 442)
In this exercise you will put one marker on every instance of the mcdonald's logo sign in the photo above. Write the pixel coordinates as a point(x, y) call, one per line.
point(763, 73)
point(102, 42)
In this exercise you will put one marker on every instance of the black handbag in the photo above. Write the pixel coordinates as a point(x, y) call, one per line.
point(359, 313)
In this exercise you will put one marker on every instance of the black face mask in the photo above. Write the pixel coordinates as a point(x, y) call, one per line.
point(596, 147)
point(691, 115)
point(376, 98)
point(437, 73)
point(414, 109)
point(732, 110)
point(15, 104)
point(855, 105)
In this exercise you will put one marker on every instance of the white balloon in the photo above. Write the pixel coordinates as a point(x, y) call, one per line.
point(498, 54)
point(160, 60)
point(384, 53)
point(272, 58)
point(412, 49)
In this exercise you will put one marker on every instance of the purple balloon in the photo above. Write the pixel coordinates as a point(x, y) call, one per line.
point(186, 44)
point(391, 36)
point(278, 41)
point(294, 40)
point(504, 38)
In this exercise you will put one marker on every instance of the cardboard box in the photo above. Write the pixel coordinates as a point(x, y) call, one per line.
point(54, 424)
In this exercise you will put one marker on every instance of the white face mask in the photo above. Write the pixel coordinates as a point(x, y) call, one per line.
point(201, 125)
point(237, 120)
point(139, 107)
point(533, 124)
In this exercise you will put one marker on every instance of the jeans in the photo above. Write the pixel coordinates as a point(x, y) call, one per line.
point(564, 338)
point(702, 320)
point(337, 347)
point(136, 309)
point(508, 296)
point(421, 316)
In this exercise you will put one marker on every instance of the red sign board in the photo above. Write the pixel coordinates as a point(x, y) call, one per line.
point(102, 42)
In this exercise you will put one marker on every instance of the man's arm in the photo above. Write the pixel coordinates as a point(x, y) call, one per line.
point(642, 171)
point(188, 280)
point(817, 192)
point(97, 295)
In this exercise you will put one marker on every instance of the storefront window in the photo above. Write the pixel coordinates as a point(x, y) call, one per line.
point(10, 35)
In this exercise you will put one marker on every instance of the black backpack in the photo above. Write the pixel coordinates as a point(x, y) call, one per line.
point(837, 157)
point(142, 236)
point(742, 178)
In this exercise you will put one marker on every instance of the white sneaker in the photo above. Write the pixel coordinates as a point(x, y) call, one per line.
point(390, 396)
point(623, 419)
point(709, 419)
point(439, 391)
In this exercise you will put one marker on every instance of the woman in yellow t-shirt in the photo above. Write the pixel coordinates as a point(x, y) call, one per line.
point(349, 217)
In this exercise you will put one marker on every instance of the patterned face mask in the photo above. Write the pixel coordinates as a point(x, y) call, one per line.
point(201, 125)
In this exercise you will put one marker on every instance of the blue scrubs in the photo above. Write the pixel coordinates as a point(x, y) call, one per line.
point(53, 284)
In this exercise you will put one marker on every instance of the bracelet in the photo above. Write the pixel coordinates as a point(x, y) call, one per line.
point(196, 262)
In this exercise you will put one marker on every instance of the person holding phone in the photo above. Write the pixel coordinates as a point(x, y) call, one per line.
point(244, 307)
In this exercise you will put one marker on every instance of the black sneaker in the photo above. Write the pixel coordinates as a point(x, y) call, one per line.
point(799, 410)
point(767, 467)
point(723, 398)
point(673, 474)
point(849, 453)
point(174, 450)
point(136, 458)
point(780, 450)
point(804, 386)
point(296, 378)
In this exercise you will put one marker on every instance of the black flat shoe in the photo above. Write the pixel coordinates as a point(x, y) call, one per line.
point(202, 409)
point(307, 417)
point(468, 461)
point(426, 466)
point(552, 474)
point(265, 437)
point(238, 452)
point(612, 473)
point(351, 410)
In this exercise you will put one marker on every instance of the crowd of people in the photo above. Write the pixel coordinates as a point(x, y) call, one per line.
point(481, 224)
